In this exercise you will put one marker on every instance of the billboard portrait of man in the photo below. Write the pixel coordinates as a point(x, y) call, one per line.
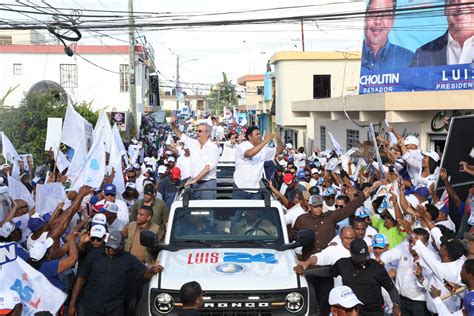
point(456, 46)
point(378, 54)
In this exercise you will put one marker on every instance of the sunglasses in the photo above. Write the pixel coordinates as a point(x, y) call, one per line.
point(109, 194)
point(338, 206)
point(201, 130)
point(96, 239)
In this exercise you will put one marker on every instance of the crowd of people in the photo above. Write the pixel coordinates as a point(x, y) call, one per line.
point(385, 241)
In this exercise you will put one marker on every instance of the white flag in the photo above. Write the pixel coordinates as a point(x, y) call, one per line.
point(115, 161)
point(102, 127)
point(78, 161)
point(8, 151)
point(93, 171)
point(335, 144)
point(118, 140)
point(62, 162)
point(75, 127)
point(17, 190)
point(53, 133)
point(37, 294)
point(48, 196)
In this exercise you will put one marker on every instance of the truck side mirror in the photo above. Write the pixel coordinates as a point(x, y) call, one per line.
point(148, 239)
point(305, 237)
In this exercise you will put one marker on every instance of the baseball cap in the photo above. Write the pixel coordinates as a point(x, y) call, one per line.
point(8, 300)
point(315, 170)
point(423, 192)
point(110, 189)
point(315, 200)
point(288, 178)
point(301, 174)
point(110, 207)
point(8, 228)
point(176, 173)
point(99, 219)
point(4, 166)
point(39, 248)
point(344, 296)
point(362, 212)
point(148, 191)
point(171, 158)
point(411, 140)
point(314, 190)
point(115, 240)
point(97, 231)
point(130, 185)
point(168, 153)
point(379, 241)
point(432, 154)
point(468, 302)
point(35, 222)
point(162, 169)
point(329, 191)
point(289, 146)
point(359, 250)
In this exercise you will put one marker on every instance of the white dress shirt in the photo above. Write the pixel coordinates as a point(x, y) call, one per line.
point(293, 213)
point(329, 255)
point(441, 271)
point(249, 171)
point(228, 153)
point(458, 54)
point(202, 156)
point(185, 165)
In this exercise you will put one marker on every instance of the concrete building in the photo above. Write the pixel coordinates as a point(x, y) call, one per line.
point(307, 76)
point(257, 108)
point(306, 112)
point(196, 103)
point(96, 73)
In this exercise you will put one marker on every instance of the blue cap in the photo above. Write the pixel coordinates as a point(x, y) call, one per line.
point(362, 212)
point(110, 189)
point(330, 191)
point(423, 192)
point(35, 222)
point(379, 241)
point(301, 174)
point(468, 302)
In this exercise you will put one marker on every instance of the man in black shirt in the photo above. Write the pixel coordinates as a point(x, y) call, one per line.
point(190, 295)
point(366, 277)
point(105, 271)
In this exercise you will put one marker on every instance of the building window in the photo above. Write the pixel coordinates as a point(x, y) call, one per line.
point(187, 103)
point(68, 75)
point(352, 138)
point(322, 131)
point(17, 69)
point(124, 76)
point(5, 40)
point(321, 86)
point(260, 90)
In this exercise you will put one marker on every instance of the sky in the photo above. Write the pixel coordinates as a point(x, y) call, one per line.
point(236, 50)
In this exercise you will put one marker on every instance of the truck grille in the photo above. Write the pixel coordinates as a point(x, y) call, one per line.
point(222, 312)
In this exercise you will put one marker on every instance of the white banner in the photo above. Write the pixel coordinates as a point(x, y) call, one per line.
point(48, 196)
point(53, 133)
point(335, 144)
point(17, 190)
point(8, 151)
point(103, 129)
point(37, 294)
point(75, 128)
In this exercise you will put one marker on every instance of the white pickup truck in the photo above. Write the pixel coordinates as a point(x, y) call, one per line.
point(238, 250)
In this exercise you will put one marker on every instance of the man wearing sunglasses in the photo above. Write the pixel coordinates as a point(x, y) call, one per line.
point(110, 195)
point(205, 156)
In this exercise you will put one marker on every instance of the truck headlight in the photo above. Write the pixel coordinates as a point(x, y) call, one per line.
point(164, 303)
point(294, 302)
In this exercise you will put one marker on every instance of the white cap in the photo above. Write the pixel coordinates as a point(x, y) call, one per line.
point(314, 170)
point(162, 169)
point(171, 159)
point(168, 152)
point(413, 200)
point(432, 154)
point(99, 219)
point(344, 296)
point(98, 231)
point(39, 248)
point(411, 140)
point(111, 207)
point(8, 300)
point(8, 228)
point(130, 185)
point(289, 146)
point(146, 159)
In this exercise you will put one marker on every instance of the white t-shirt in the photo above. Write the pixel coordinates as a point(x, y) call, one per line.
point(293, 213)
point(202, 156)
point(249, 171)
point(185, 165)
point(228, 154)
point(329, 256)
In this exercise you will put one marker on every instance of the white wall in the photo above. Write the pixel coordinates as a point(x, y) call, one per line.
point(294, 82)
point(94, 84)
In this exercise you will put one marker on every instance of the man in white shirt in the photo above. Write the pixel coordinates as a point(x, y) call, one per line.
point(412, 293)
point(205, 156)
point(110, 195)
point(184, 163)
point(250, 156)
point(300, 208)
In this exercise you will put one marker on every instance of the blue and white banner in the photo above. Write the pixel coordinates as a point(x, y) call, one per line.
point(417, 45)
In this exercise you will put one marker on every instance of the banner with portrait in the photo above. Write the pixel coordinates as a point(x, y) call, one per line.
point(417, 45)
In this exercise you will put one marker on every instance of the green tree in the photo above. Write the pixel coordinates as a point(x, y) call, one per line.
point(26, 124)
point(223, 94)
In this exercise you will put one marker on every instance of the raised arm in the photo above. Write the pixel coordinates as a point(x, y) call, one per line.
point(174, 127)
point(443, 174)
point(249, 153)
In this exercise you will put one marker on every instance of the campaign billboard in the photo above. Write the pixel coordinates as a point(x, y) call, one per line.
point(417, 45)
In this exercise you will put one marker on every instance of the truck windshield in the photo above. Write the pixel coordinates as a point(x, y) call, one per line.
point(224, 226)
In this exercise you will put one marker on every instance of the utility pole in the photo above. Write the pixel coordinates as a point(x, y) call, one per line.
point(177, 83)
point(302, 35)
point(131, 68)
